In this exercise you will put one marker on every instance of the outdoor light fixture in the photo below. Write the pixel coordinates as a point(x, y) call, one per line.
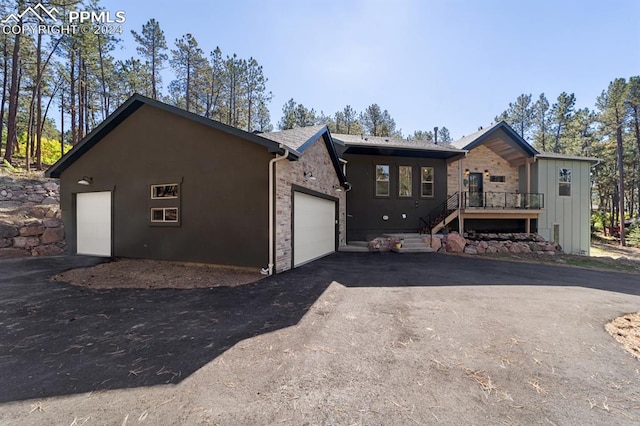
point(486, 172)
point(466, 172)
point(337, 188)
point(86, 180)
point(309, 176)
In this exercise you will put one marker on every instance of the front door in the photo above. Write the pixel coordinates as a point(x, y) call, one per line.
point(475, 190)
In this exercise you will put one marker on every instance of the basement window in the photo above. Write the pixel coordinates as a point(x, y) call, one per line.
point(426, 181)
point(405, 188)
point(164, 215)
point(163, 191)
point(382, 180)
point(564, 182)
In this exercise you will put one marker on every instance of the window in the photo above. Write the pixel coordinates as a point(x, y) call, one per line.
point(405, 188)
point(426, 181)
point(165, 214)
point(168, 190)
point(564, 182)
point(382, 180)
point(493, 178)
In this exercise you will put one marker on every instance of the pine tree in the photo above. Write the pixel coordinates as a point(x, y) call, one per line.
point(152, 47)
point(189, 63)
point(562, 112)
point(611, 104)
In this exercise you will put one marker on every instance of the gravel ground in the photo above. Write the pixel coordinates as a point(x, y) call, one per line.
point(149, 274)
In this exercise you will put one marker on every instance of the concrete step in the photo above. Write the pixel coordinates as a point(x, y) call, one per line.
point(353, 249)
point(358, 243)
point(404, 249)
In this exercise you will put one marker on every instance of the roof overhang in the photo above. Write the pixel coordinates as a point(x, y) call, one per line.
point(401, 151)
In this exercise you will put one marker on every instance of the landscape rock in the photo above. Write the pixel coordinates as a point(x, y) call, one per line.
point(31, 231)
point(11, 253)
point(49, 200)
point(8, 231)
point(51, 223)
point(26, 242)
point(47, 250)
point(470, 250)
point(6, 242)
point(455, 243)
point(436, 243)
point(52, 235)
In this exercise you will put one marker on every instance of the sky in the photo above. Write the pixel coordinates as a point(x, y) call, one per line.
point(453, 63)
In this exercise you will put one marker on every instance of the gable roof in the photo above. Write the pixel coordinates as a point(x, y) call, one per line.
point(301, 138)
point(130, 106)
point(380, 145)
point(501, 139)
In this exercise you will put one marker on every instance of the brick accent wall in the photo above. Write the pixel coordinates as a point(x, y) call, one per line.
point(316, 160)
point(478, 160)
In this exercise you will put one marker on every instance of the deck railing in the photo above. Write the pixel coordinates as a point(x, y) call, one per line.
point(503, 200)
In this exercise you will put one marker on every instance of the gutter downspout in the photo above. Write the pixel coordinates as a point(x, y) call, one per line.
point(269, 269)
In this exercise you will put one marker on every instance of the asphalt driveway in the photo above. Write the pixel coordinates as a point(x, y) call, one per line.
point(57, 340)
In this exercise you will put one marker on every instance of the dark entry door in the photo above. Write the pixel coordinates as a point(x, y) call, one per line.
point(475, 190)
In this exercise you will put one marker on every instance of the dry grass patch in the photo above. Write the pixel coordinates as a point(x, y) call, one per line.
point(626, 330)
point(150, 274)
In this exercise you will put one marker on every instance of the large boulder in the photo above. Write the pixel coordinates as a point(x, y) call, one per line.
point(436, 243)
point(455, 243)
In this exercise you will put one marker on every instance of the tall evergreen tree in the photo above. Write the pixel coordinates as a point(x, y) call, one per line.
point(152, 47)
point(189, 64)
point(562, 112)
point(541, 122)
point(611, 105)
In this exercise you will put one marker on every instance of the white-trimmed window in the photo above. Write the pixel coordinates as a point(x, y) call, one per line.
point(164, 191)
point(164, 215)
point(564, 182)
point(382, 180)
point(426, 181)
point(405, 187)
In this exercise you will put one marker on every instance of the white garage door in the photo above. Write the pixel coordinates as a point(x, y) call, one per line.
point(314, 227)
point(93, 220)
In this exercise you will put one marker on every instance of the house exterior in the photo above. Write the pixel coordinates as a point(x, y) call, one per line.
point(154, 181)
point(489, 181)
point(394, 182)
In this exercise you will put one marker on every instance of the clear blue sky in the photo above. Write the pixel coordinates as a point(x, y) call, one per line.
point(429, 63)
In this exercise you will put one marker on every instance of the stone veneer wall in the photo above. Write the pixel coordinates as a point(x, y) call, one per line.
point(316, 160)
point(478, 160)
point(30, 219)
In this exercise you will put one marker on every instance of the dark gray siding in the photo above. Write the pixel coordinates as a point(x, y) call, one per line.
point(365, 211)
point(223, 190)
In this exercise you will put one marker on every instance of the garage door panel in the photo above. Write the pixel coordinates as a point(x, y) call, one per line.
point(314, 230)
point(93, 223)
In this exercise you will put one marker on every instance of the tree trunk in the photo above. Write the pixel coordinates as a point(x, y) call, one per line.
point(72, 101)
point(620, 183)
point(12, 136)
point(5, 71)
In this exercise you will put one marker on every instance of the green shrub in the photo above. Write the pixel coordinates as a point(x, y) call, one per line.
point(633, 236)
point(50, 150)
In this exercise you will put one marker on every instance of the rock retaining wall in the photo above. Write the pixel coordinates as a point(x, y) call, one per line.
point(28, 192)
point(30, 219)
point(498, 243)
